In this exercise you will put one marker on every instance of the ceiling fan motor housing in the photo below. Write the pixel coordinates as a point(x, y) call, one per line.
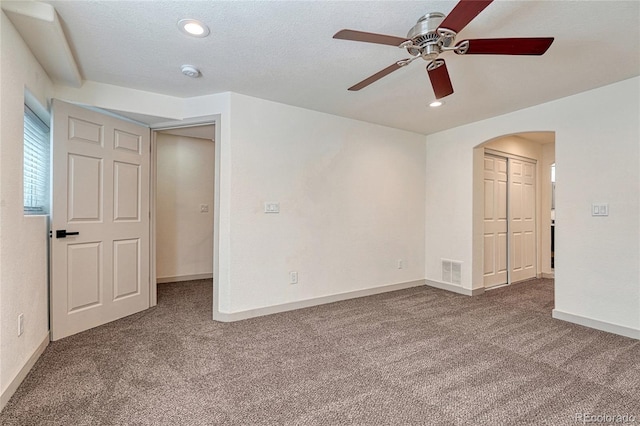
point(425, 38)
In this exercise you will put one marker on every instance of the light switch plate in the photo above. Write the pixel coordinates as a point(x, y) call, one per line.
point(600, 209)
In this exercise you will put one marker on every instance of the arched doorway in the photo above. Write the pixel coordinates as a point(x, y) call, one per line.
point(512, 208)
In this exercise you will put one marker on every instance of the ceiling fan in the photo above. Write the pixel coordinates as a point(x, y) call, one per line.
point(434, 34)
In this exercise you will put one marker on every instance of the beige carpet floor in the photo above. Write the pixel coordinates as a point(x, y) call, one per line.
point(420, 356)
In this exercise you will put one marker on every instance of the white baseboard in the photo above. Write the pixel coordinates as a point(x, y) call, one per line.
point(455, 288)
point(549, 275)
point(597, 324)
point(162, 280)
point(495, 287)
point(19, 377)
point(268, 310)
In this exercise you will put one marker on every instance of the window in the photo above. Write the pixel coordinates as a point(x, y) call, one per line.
point(36, 164)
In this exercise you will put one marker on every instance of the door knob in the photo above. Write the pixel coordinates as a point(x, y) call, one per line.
point(62, 233)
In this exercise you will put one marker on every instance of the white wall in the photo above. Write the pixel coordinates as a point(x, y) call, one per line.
point(597, 153)
point(184, 234)
point(23, 240)
point(351, 195)
point(351, 200)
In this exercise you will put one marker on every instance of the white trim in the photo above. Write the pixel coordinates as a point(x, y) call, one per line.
point(217, 188)
point(549, 275)
point(213, 120)
point(162, 280)
point(111, 114)
point(268, 310)
point(455, 288)
point(494, 287)
point(597, 324)
point(20, 376)
point(186, 122)
point(153, 177)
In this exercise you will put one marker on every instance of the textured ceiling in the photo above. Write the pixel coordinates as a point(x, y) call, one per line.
point(284, 51)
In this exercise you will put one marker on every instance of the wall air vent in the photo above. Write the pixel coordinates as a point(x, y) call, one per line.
point(452, 271)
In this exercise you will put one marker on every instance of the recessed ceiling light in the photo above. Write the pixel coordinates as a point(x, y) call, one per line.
point(193, 27)
point(190, 71)
point(436, 104)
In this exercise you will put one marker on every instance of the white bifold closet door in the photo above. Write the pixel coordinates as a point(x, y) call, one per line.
point(522, 219)
point(509, 220)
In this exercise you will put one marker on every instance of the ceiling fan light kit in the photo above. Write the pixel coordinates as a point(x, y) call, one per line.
point(434, 34)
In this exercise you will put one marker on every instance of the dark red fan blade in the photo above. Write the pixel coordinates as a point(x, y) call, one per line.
point(440, 80)
point(369, 37)
point(508, 46)
point(377, 76)
point(463, 13)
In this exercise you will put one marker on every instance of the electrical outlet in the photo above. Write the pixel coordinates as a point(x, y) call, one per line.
point(400, 263)
point(20, 324)
point(204, 208)
point(293, 277)
point(272, 207)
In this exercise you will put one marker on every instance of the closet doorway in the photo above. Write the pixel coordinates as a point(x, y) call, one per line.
point(512, 213)
point(184, 203)
point(509, 219)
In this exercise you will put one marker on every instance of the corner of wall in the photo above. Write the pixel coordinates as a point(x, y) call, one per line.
point(12, 385)
point(23, 240)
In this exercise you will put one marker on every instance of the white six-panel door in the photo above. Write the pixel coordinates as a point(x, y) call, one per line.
point(510, 248)
point(522, 219)
point(100, 182)
point(495, 221)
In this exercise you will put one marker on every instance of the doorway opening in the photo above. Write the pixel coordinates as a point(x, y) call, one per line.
point(106, 179)
point(183, 205)
point(513, 209)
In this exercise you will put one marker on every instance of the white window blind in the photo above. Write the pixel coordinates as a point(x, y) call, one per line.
point(36, 164)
